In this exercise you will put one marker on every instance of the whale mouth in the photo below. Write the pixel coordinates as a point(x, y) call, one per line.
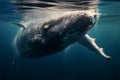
point(39, 38)
point(94, 19)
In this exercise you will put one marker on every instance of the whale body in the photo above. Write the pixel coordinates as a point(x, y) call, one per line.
point(42, 39)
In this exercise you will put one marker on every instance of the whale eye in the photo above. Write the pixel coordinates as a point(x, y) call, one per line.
point(46, 26)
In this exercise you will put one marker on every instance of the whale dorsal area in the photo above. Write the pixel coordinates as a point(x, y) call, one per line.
point(20, 25)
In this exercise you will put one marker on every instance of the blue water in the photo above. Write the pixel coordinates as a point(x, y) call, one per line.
point(77, 64)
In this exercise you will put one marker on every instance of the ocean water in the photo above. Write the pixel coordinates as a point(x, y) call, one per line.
point(76, 62)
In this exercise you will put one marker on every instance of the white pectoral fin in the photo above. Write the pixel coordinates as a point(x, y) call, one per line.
point(89, 42)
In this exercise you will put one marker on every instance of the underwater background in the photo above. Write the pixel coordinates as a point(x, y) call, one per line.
point(76, 62)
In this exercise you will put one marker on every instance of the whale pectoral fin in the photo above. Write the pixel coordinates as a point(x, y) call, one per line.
point(20, 25)
point(89, 42)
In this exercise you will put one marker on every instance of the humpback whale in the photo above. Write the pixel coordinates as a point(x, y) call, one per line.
point(50, 37)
